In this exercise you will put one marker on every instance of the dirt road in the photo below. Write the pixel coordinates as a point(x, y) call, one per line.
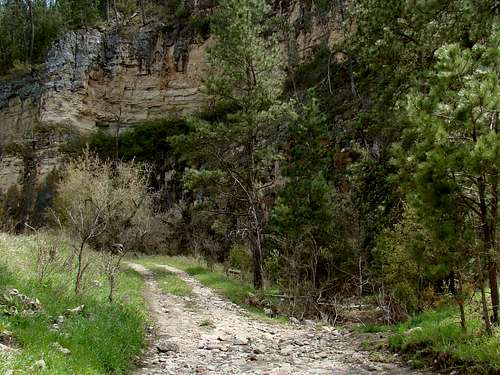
point(206, 334)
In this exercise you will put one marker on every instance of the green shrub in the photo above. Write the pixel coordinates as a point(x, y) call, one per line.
point(435, 336)
point(201, 24)
point(240, 258)
point(272, 266)
point(182, 11)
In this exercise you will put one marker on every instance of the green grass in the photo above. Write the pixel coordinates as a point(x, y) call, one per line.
point(169, 282)
point(236, 291)
point(206, 323)
point(179, 262)
point(440, 341)
point(233, 290)
point(373, 328)
point(104, 339)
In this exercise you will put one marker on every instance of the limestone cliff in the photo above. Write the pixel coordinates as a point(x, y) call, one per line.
point(94, 77)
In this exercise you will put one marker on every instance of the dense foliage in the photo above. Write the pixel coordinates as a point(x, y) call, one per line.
point(238, 153)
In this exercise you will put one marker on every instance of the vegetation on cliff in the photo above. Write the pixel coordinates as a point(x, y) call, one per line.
point(28, 28)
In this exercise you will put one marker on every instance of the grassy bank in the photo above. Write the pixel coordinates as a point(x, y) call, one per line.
point(237, 291)
point(104, 338)
point(435, 338)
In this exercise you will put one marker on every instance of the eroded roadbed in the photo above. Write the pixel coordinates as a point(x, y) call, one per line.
point(206, 334)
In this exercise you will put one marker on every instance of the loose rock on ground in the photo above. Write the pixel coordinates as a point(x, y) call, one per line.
point(236, 343)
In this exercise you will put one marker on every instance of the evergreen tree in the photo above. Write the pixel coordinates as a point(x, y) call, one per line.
point(303, 214)
point(78, 13)
point(454, 160)
point(27, 28)
point(393, 45)
point(238, 153)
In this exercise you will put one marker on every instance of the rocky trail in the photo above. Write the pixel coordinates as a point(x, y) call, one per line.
point(206, 334)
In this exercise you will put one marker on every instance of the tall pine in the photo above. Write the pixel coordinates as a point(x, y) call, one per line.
point(238, 153)
point(454, 160)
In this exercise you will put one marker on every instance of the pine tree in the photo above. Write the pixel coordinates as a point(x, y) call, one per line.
point(239, 152)
point(78, 13)
point(303, 214)
point(455, 159)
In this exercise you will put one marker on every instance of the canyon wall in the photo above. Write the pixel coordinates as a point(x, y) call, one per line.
point(95, 77)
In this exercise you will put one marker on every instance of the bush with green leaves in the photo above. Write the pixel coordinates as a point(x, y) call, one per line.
point(240, 258)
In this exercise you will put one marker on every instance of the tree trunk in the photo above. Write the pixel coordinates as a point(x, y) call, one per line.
point(492, 271)
point(484, 305)
point(354, 90)
point(29, 10)
point(28, 184)
point(256, 245)
point(489, 234)
point(115, 10)
point(80, 269)
point(492, 274)
point(462, 315)
point(117, 140)
point(460, 298)
point(112, 283)
point(143, 13)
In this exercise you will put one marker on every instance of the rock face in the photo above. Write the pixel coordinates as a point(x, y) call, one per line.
point(94, 77)
point(100, 77)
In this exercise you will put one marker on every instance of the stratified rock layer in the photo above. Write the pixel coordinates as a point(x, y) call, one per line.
point(94, 77)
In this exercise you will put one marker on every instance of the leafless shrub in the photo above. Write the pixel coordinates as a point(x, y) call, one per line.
point(392, 309)
point(167, 233)
point(46, 254)
point(47, 257)
point(111, 261)
point(102, 204)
